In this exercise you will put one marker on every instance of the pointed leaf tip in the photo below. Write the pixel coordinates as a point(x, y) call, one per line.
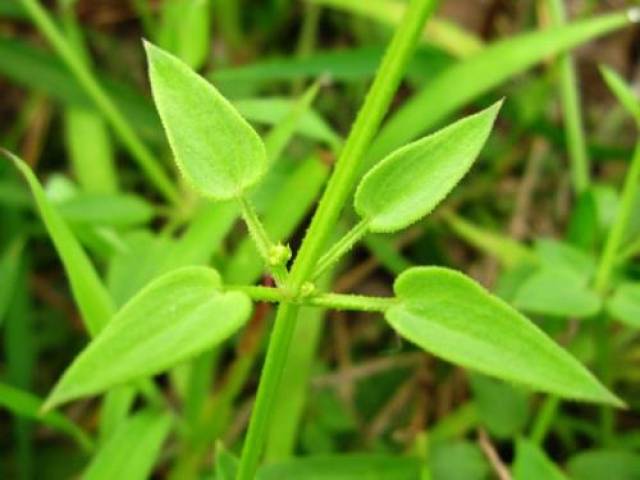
point(448, 314)
point(217, 151)
point(175, 317)
point(409, 183)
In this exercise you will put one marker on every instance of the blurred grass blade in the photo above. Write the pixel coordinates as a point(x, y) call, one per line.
point(9, 271)
point(139, 152)
point(465, 81)
point(344, 467)
point(90, 151)
point(28, 405)
point(508, 251)
point(453, 317)
point(345, 65)
point(556, 292)
point(624, 304)
point(120, 210)
point(446, 35)
point(34, 68)
point(167, 322)
point(274, 110)
point(133, 449)
point(88, 291)
point(280, 135)
point(625, 95)
point(194, 32)
point(531, 463)
point(572, 111)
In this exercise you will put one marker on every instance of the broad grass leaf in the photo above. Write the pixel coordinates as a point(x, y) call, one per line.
point(557, 292)
point(171, 320)
point(343, 467)
point(625, 95)
point(502, 408)
point(117, 210)
point(605, 464)
point(624, 304)
point(531, 463)
point(10, 261)
point(493, 65)
point(88, 290)
point(133, 448)
point(458, 460)
point(410, 182)
point(561, 255)
point(218, 152)
point(505, 249)
point(25, 404)
point(453, 317)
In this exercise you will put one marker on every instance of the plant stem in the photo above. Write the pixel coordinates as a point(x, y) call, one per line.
point(340, 186)
point(145, 159)
point(336, 301)
point(544, 419)
point(341, 247)
point(574, 131)
point(263, 243)
point(619, 228)
point(603, 279)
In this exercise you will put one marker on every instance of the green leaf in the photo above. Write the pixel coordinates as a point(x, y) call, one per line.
point(343, 467)
point(460, 460)
point(624, 305)
point(27, 405)
point(226, 463)
point(171, 320)
point(468, 79)
point(557, 292)
point(133, 448)
point(604, 465)
point(87, 288)
point(218, 152)
point(531, 463)
point(502, 408)
point(90, 150)
point(410, 182)
point(453, 317)
point(625, 95)
point(561, 255)
point(508, 251)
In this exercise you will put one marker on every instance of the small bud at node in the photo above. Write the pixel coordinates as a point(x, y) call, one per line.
point(279, 255)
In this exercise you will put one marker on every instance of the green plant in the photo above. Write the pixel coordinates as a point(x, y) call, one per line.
point(163, 308)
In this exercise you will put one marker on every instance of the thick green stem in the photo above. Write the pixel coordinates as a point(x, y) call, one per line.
point(574, 131)
point(94, 90)
point(338, 190)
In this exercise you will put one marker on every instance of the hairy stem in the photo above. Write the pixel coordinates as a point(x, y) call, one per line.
point(265, 246)
point(338, 189)
point(341, 247)
point(336, 301)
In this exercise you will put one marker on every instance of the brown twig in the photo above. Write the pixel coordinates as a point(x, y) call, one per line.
point(490, 452)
